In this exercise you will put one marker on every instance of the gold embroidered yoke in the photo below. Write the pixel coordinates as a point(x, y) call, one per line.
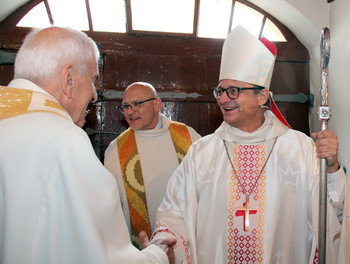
point(14, 102)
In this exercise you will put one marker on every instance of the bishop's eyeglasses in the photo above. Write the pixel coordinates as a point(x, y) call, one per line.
point(232, 91)
point(135, 106)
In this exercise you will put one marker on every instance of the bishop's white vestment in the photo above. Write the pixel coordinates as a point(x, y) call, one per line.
point(206, 196)
point(58, 203)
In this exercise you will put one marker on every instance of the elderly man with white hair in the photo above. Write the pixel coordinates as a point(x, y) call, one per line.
point(58, 203)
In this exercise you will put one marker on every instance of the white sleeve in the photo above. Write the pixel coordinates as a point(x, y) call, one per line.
point(336, 190)
point(81, 216)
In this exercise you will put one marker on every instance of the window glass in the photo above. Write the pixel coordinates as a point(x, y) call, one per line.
point(175, 16)
point(214, 17)
point(248, 18)
point(163, 15)
point(68, 13)
point(108, 15)
point(37, 18)
point(271, 32)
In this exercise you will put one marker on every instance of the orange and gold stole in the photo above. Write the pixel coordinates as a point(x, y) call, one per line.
point(133, 179)
point(14, 102)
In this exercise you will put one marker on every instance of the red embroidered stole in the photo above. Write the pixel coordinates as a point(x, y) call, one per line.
point(14, 102)
point(133, 179)
point(247, 246)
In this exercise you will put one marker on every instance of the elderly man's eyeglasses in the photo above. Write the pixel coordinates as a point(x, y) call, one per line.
point(136, 106)
point(232, 91)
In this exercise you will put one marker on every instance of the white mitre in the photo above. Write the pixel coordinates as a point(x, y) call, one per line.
point(245, 58)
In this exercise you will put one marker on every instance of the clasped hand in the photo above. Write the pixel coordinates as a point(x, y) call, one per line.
point(166, 245)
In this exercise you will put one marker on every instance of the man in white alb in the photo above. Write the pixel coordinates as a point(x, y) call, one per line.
point(144, 156)
point(58, 203)
point(249, 192)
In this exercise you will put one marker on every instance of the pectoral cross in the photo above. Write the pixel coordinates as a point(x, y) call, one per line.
point(247, 211)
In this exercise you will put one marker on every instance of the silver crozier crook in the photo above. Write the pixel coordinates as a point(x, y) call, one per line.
point(324, 115)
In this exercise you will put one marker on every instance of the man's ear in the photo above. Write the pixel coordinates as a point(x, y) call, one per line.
point(263, 96)
point(67, 80)
point(158, 104)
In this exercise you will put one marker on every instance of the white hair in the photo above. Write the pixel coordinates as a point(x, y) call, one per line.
point(41, 58)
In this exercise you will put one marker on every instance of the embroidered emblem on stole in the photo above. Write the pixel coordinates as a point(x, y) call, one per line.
point(133, 179)
point(242, 246)
point(14, 102)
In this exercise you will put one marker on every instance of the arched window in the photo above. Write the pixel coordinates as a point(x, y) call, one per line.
point(205, 18)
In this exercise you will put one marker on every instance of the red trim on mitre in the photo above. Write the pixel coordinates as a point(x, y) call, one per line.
point(268, 44)
point(273, 107)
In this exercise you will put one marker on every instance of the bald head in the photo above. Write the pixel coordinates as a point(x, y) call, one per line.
point(142, 87)
point(145, 115)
